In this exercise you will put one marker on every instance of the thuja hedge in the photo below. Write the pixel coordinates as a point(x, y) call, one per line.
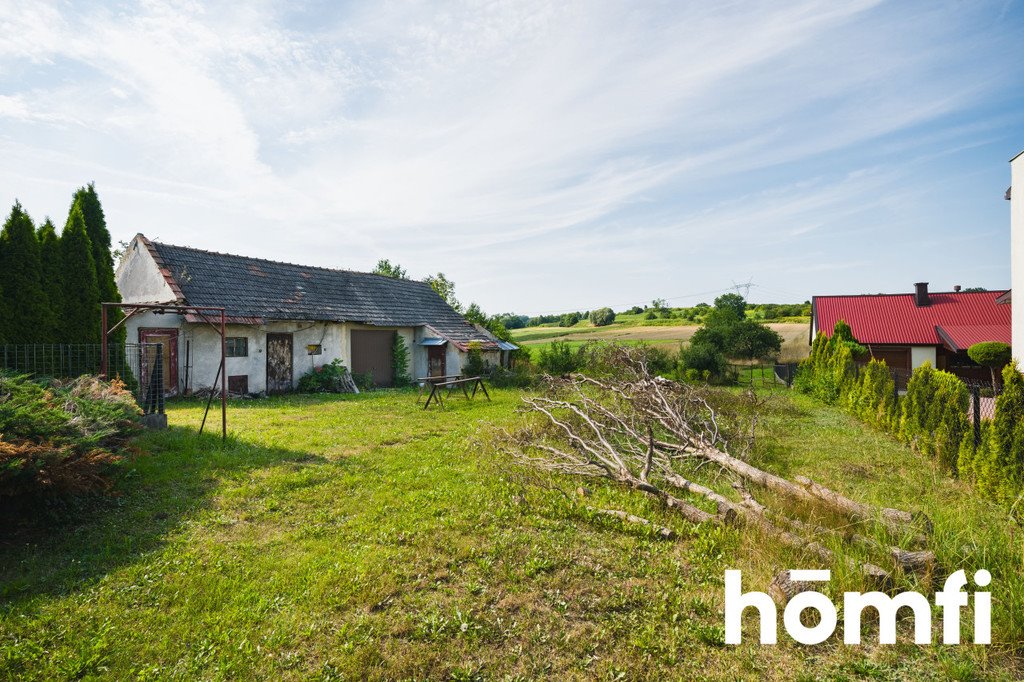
point(996, 464)
point(931, 416)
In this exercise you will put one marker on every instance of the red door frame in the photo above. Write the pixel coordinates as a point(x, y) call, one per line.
point(171, 350)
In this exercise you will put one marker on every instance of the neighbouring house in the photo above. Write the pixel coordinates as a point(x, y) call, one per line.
point(284, 320)
point(907, 330)
point(1015, 194)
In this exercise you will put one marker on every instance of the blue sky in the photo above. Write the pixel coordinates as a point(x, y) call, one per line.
point(545, 156)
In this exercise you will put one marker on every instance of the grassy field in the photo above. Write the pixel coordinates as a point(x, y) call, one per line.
point(794, 336)
point(351, 537)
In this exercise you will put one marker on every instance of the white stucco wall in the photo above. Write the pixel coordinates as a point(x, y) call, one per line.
point(199, 348)
point(920, 355)
point(1017, 254)
point(139, 279)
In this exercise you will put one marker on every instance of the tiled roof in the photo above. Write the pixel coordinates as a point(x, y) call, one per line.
point(965, 317)
point(255, 289)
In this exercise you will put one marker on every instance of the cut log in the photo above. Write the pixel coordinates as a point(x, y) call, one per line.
point(895, 520)
point(664, 532)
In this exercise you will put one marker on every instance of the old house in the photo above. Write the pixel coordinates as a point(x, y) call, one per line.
point(284, 320)
point(907, 330)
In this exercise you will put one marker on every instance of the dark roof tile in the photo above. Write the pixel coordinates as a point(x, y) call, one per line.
point(257, 288)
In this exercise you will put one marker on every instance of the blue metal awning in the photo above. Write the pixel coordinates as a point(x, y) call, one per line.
point(432, 341)
point(505, 345)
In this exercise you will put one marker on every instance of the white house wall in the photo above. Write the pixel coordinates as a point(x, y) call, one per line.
point(199, 348)
point(1017, 255)
point(139, 279)
point(920, 355)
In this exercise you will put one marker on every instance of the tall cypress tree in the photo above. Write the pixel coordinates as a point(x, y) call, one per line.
point(96, 227)
point(81, 322)
point(50, 274)
point(24, 306)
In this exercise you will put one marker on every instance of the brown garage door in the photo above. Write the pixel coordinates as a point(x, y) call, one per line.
point(371, 354)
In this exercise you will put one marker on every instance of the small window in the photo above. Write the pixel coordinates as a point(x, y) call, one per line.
point(237, 347)
point(314, 349)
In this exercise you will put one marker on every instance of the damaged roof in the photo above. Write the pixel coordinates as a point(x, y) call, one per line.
point(257, 290)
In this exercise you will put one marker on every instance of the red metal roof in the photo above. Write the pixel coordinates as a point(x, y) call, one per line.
point(964, 318)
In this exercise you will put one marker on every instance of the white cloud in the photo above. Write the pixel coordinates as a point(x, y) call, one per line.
point(465, 137)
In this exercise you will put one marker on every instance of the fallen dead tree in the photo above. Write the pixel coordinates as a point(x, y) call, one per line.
point(643, 431)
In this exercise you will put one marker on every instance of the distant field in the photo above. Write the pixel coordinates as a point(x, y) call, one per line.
point(794, 336)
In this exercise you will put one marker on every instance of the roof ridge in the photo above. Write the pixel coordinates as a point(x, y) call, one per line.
point(999, 292)
point(281, 262)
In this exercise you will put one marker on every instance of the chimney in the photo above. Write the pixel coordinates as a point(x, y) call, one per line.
point(921, 294)
point(956, 288)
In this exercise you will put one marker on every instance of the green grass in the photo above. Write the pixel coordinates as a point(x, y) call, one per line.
point(362, 537)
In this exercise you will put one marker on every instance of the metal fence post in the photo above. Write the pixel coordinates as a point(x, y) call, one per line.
point(976, 399)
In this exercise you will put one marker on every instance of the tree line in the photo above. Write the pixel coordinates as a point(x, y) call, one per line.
point(51, 285)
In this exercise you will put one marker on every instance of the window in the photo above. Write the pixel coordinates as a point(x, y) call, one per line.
point(237, 347)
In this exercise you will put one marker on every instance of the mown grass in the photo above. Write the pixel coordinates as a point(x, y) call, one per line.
point(343, 537)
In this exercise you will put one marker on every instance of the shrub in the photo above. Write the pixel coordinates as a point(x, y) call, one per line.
point(560, 358)
point(475, 365)
point(934, 414)
point(400, 361)
point(328, 378)
point(703, 359)
point(872, 396)
point(569, 320)
point(363, 380)
point(61, 438)
point(828, 372)
point(997, 464)
point(520, 375)
point(992, 354)
point(602, 317)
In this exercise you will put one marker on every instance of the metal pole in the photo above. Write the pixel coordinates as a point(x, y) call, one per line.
point(976, 399)
point(223, 379)
point(103, 340)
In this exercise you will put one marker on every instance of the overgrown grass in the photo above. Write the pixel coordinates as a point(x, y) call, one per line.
point(339, 537)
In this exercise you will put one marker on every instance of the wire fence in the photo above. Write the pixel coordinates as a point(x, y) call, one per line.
point(141, 366)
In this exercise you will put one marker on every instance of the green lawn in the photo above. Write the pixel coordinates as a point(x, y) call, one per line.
point(349, 537)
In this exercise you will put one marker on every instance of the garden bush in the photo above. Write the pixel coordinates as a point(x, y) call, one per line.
point(934, 414)
point(475, 365)
point(997, 463)
point(329, 378)
point(561, 358)
point(400, 361)
point(61, 437)
point(702, 360)
point(872, 396)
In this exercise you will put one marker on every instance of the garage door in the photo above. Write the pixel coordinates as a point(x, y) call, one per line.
point(371, 353)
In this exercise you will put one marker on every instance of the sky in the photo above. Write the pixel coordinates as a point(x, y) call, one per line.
point(546, 157)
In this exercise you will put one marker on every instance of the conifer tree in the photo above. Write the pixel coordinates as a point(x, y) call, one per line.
point(25, 311)
point(50, 275)
point(81, 322)
point(88, 201)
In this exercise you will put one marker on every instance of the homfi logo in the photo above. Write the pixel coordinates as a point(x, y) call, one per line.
point(951, 600)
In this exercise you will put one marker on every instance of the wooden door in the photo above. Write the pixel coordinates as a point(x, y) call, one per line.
point(436, 361)
point(279, 363)
point(371, 354)
point(168, 338)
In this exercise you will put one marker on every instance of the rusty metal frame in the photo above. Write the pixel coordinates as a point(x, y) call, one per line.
point(133, 308)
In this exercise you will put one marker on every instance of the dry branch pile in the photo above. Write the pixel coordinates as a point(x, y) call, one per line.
point(643, 432)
